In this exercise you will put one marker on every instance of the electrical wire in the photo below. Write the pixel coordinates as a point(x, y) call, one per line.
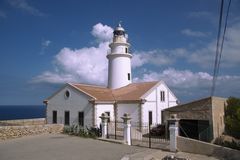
point(225, 28)
point(219, 49)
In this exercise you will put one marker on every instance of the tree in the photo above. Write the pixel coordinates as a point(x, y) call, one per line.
point(232, 117)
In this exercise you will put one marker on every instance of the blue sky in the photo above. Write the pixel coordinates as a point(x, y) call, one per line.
point(44, 44)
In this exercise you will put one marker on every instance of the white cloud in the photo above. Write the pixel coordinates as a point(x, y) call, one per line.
point(157, 57)
point(231, 50)
point(25, 6)
point(81, 65)
point(189, 32)
point(88, 64)
point(102, 32)
point(189, 83)
point(179, 78)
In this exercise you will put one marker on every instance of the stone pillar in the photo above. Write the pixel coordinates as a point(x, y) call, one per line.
point(104, 117)
point(173, 128)
point(127, 128)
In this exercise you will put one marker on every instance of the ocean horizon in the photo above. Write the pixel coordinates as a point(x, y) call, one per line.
point(13, 112)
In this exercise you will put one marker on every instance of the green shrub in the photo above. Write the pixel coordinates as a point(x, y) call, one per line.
point(80, 131)
point(232, 117)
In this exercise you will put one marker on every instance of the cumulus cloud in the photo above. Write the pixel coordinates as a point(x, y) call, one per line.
point(231, 50)
point(88, 64)
point(186, 82)
point(157, 57)
point(189, 32)
point(102, 32)
point(80, 65)
point(25, 6)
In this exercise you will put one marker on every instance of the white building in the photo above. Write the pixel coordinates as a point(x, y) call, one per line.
point(83, 104)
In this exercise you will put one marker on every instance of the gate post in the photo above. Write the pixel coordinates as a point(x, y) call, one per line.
point(173, 128)
point(104, 117)
point(127, 128)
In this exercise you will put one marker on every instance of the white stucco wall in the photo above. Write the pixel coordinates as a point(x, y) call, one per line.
point(77, 102)
point(132, 109)
point(119, 67)
point(102, 108)
point(155, 104)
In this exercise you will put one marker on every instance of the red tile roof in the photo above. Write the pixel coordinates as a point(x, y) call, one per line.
point(131, 92)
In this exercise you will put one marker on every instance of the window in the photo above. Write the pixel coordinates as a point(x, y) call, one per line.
point(81, 118)
point(67, 94)
point(54, 117)
point(150, 117)
point(66, 118)
point(129, 76)
point(126, 50)
point(108, 113)
point(162, 96)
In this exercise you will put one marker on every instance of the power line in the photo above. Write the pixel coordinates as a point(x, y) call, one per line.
point(225, 28)
point(219, 49)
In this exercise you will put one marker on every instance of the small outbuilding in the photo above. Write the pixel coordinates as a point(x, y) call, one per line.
point(202, 119)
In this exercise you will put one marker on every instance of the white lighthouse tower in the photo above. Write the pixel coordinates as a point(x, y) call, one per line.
point(119, 60)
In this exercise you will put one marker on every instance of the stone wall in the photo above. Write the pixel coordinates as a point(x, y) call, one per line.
point(8, 132)
point(194, 146)
point(23, 122)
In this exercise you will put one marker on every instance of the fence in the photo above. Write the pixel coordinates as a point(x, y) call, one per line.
point(149, 135)
point(115, 130)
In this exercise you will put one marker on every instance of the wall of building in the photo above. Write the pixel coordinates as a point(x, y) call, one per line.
point(198, 110)
point(102, 108)
point(132, 109)
point(198, 147)
point(155, 104)
point(218, 105)
point(77, 102)
point(119, 67)
point(146, 107)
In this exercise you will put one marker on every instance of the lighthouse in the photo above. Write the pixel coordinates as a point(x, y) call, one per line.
point(119, 60)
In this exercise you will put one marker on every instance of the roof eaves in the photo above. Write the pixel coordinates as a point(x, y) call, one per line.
point(150, 90)
point(169, 90)
point(47, 99)
point(72, 85)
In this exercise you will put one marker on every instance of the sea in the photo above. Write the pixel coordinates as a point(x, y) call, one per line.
point(12, 112)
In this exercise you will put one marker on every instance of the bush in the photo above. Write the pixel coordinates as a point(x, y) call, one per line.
point(80, 131)
point(232, 117)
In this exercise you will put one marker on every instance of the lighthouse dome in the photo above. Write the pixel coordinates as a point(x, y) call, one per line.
point(119, 30)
